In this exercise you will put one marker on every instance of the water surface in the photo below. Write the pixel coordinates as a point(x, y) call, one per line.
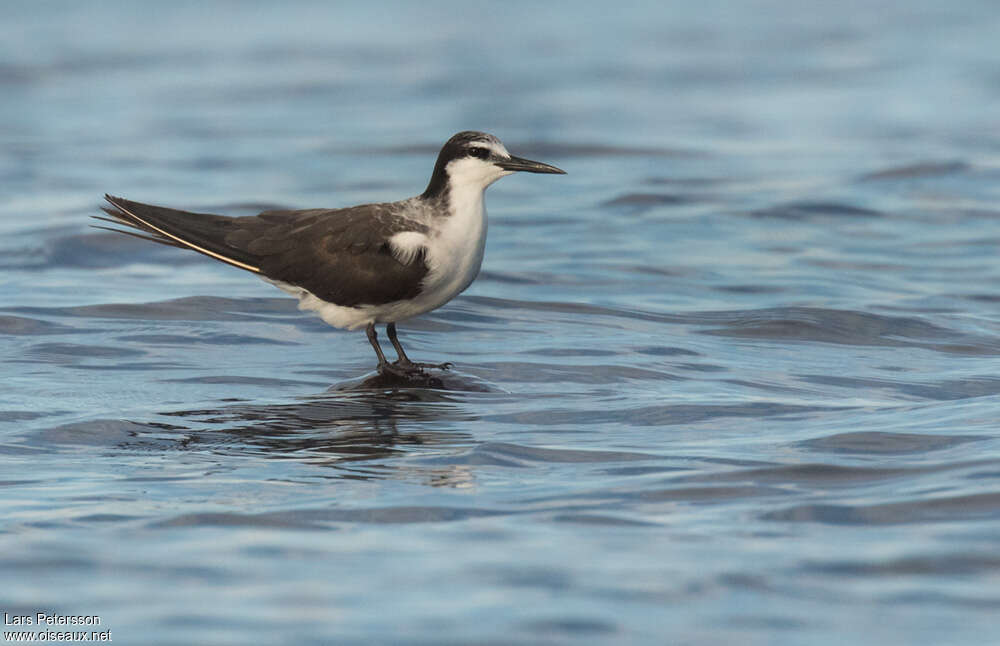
point(733, 379)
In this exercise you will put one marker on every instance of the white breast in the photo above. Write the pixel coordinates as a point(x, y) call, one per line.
point(454, 246)
point(455, 251)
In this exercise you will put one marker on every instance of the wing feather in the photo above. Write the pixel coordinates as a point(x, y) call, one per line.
point(201, 232)
point(343, 256)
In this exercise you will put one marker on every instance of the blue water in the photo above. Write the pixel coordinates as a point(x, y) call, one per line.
point(735, 379)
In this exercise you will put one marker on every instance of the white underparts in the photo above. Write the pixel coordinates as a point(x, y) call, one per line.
point(335, 315)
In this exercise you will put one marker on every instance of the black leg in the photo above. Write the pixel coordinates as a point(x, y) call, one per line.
point(404, 360)
point(373, 339)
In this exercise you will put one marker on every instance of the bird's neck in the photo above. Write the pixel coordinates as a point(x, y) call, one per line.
point(438, 184)
point(465, 202)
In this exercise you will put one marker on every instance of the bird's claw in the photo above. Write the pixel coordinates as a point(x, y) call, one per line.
point(447, 365)
point(418, 366)
point(410, 373)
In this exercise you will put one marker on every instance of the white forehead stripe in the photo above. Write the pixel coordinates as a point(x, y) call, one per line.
point(494, 145)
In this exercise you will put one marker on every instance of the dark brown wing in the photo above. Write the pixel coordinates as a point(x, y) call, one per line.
point(340, 255)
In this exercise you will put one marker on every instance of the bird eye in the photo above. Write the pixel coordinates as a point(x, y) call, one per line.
point(481, 153)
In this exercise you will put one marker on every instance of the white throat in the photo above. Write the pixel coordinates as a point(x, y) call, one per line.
point(472, 175)
point(458, 240)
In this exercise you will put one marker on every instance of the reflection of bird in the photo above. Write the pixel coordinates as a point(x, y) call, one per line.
point(352, 429)
point(362, 265)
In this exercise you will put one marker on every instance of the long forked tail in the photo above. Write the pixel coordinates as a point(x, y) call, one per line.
point(201, 232)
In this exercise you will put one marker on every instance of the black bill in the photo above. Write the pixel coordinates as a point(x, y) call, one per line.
point(519, 163)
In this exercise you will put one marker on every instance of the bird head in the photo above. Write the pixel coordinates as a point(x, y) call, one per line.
point(475, 160)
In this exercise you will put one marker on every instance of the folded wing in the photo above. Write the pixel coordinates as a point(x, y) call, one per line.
point(342, 256)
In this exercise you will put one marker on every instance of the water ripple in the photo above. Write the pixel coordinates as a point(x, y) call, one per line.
point(930, 510)
point(734, 375)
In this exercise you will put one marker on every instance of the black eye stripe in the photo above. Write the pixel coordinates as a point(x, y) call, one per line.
point(479, 152)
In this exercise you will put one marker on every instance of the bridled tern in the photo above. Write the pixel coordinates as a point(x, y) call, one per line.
point(361, 265)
